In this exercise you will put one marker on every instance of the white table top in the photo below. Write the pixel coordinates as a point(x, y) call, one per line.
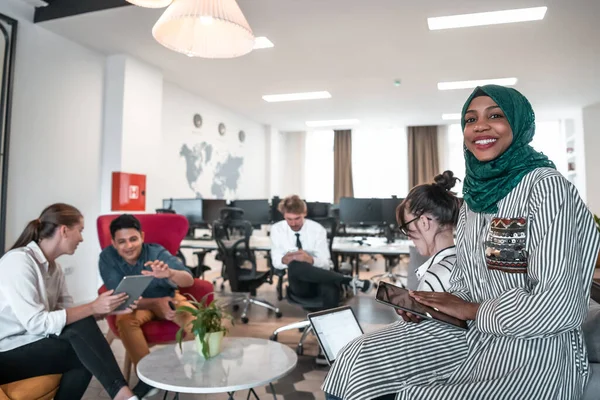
point(244, 363)
point(260, 243)
point(372, 245)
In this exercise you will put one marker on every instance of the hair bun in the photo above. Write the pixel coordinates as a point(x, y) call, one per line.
point(446, 180)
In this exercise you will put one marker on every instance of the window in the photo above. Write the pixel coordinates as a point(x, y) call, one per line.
point(450, 142)
point(379, 163)
point(318, 162)
point(547, 139)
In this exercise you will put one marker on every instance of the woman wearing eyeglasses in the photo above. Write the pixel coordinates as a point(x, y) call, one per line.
point(427, 216)
point(527, 247)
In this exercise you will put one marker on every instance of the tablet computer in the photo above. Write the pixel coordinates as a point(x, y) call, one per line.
point(134, 286)
point(398, 297)
point(334, 329)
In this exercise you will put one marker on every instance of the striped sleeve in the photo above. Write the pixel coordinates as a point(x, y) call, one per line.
point(552, 302)
point(437, 277)
point(458, 285)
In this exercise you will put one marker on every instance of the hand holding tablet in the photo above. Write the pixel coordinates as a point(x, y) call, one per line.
point(400, 298)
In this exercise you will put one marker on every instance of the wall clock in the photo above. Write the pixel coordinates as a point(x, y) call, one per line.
point(197, 120)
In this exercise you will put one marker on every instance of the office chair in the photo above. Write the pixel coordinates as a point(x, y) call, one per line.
point(390, 263)
point(168, 230)
point(309, 304)
point(233, 242)
point(37, 388)
point(330, 225)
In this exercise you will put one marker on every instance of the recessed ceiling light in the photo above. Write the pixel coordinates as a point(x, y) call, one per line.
point(449, 117)
point(332, 122)
point(273, 98)
point(473, 84)
point(262, 42)
point(487, 18)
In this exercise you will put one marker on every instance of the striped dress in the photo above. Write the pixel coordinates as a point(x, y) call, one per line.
point(530, 268)
point(434, 274)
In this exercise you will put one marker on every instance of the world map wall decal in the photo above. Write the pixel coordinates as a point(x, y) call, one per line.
point(206, 168)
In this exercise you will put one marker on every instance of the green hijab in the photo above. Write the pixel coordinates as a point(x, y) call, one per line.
point(488, 182)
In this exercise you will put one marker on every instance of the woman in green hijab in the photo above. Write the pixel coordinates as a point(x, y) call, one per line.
point(526, 247)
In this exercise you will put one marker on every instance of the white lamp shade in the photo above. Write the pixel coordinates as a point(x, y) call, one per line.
point(150, 3)
point(205, 28)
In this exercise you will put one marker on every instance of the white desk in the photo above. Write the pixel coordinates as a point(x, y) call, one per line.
point(259, 243)
point(244, 363)
point(372, 245)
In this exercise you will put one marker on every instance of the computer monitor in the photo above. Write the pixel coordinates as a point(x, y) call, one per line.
point(210, 210)
point(189, 208)
point(316, 209)
point(360, 211)
point(276, 216)
point(388, 210)
point(257, 212)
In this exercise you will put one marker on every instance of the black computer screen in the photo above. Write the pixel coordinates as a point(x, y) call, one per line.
point(276, 216)
point(210, 209)
point(189, 208)
point(317, 209)
point(388, 210)
point(360, 211)
point(257, 212)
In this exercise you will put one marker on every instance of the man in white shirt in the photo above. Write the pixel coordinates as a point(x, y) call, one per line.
point(301, 246)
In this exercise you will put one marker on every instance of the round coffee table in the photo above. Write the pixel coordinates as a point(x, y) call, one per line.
point(244, 363)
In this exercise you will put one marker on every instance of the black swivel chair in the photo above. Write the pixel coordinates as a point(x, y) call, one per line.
point(233, 241)
point(330, 225)
point(309, 304)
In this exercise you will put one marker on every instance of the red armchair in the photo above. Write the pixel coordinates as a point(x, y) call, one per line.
point(168, 230)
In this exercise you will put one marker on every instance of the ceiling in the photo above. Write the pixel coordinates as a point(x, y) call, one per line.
point(355, 49)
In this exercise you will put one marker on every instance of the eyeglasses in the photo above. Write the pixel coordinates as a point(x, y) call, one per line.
point(403, 228)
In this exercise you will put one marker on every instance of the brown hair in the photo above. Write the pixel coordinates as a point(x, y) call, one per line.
point(293, 205)
point(433, 198)
point(49, 220)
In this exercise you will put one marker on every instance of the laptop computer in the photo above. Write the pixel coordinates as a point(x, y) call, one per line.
point(334, 328)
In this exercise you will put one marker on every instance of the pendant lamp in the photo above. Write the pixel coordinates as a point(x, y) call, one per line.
point(150, 3)
point(205, 28)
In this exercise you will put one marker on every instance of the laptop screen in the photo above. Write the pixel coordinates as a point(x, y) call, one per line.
point(335, 328)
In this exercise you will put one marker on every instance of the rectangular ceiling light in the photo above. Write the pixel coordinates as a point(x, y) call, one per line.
point(450, 117)
point(273, 98)
point(487, 18)
point(474, 84)
point(262, 42)
point(333, 122)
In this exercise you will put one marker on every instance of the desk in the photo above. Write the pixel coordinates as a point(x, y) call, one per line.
point(244, 363)
point(258, 243)
point(372, 245)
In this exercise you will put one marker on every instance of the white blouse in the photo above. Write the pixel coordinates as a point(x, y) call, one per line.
point(33, 297)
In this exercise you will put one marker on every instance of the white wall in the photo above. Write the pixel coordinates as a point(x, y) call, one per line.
point(55, 138)
point(132, 124)
point(179, 107)
point(591, 129)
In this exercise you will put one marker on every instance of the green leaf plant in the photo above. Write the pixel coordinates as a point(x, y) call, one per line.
point(208, 318)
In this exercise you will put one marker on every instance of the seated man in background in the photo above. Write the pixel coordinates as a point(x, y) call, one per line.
point(301, 246)
point(129, 255)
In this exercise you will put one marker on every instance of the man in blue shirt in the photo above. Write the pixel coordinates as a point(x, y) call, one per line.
point(129, 255)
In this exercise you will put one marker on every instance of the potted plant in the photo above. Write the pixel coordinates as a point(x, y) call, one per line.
point(207, 325)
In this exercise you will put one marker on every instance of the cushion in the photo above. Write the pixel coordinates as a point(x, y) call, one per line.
point(591, 332)
point(40, 387)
